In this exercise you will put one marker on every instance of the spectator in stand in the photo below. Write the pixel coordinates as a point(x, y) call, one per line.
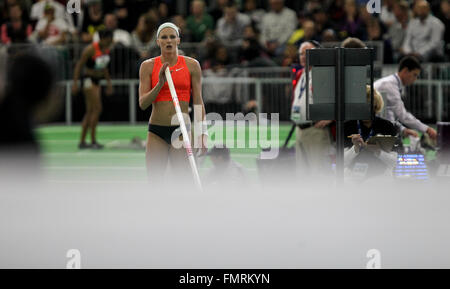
point(424, 35)
point(305, 33)
point(329, 35)
point(374, 34)
point(143, 38)
point(312, 5)
point(15, 30)
point(51, 30)
point(352, 25)
point(199, 23)
point(6, 4)
point(38, 12)
point(230, 28)
point(120, 36)
point(397, 31)
point(321, 21)
point(444, 16)
point(251, 53)
point(256, 14)
point(123, 11)
point(336, 11)
point(163, 12)
point(180, 22)
point(217, 9)
point(93, 21)
point(218, 59)
point(277, 26)
point(387, 15)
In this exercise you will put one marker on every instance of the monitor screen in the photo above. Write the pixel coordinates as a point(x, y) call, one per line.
point(411, 166)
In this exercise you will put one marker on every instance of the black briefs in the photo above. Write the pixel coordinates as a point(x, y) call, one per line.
point(166, 132)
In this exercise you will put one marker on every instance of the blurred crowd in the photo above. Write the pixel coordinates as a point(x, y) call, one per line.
point(245, 32)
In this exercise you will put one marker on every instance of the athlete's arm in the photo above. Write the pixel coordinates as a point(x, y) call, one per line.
point(87, 52)
point(109, 88)
point(147, 94)
point(197, 99)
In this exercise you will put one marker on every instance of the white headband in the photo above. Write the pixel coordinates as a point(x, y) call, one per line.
point(165, 25)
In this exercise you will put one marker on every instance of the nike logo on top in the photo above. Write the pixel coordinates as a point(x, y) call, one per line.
point(177, 69)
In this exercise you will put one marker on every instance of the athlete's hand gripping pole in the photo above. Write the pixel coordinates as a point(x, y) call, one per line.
point(186, 139)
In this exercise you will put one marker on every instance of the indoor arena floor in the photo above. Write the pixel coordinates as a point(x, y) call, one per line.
point(119, 161)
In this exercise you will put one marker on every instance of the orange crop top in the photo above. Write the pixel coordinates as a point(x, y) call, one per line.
point(181, 80)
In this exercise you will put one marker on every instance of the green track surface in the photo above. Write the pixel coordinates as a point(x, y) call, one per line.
point(64, 162)
point(118, 162)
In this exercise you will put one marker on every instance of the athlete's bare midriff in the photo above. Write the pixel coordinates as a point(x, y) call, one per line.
point(164, 111)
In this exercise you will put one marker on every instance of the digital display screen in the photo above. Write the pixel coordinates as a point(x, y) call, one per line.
point(412, 166)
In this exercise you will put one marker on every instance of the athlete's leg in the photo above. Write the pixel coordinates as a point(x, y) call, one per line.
point(179, 164)
point(87, 115)
point(156, 156)
point(96, 111)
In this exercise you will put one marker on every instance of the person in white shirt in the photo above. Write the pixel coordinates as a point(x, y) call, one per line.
point(424, 35)
point(38, 8)
point(119, 35)
point(51, 30)
point(277, 26)
point(387, 14)
point(313, 140)
point(392, 87)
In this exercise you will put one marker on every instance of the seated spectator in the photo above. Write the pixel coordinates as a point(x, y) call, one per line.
point(321, 21)
point(336, 11)
point(216, 66)
point(352, 25)
point(120, 36)
point(359, 154)
point(38, 12)
point(6, 4)
point(424, 35)
point(305, 33)
point(397, 31)
point(180, 22)
point(328, 35)
point(444, 16)
point(123, 11)
point(199, 23)
point(387, 15)
point(256, 14)
point(230, 28)
point(374, 34)
point(92, 21)
point(163, 13)
point(143, 38)
point(51, 30)
point(277, 26)
point(251, 53)
point(16, 30)
point(217, 8)
point(289, 55)
point(218, 59)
